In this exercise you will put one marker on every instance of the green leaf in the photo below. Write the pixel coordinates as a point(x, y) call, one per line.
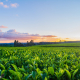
point(3, 71)
point(57, 74)
point(68, 73)
point(25, 74)
point(0, 72)
point(78, 66)
point(66, 66)
point(45, 78)
point(61, 71)
point(51, 70)
point(38, 71)
point(33, 74)
point(74, 73)
point(15, 67)
point(4, 79)
point(17, 74)
point(10, 77)
point(12, 72)
point(29, 75)
point(45, 71)
point(22, 70)
point(2, 66)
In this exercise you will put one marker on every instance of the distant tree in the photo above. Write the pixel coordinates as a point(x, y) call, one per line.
point(15, 43)
point(65, 41)
point(31, 42)
point(55, 42)
point(27, 43)
point(60, 41)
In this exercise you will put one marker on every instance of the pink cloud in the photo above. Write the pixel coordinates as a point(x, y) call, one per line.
point(0, 30)
point(67, 38)
point(14, 5)
point(6, 0)
point(14, 35)
point(1, 3)
point(3, 26)
point(49, 36)
point(5, 6)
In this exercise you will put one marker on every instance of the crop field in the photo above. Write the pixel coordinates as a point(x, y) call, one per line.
point(41, 62)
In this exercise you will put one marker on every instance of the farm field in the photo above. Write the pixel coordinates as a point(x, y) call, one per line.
point(63, 45)
point(40, 63)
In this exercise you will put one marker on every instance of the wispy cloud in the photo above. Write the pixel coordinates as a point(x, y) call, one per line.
point(6, 6)
point(50, 36)
point(3, 26)
point(66, 38)
point(2, 4)
point(14, 5)
point(14, 35)
point(0, 30)
point(17, 15)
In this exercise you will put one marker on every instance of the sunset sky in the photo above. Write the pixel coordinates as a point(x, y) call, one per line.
point(39, 20)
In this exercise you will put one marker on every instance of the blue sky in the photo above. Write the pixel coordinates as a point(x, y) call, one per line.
point(44, 17)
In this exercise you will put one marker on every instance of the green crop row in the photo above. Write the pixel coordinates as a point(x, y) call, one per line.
point(39, 63)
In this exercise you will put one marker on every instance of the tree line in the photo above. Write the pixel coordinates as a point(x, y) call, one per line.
point(19, 44)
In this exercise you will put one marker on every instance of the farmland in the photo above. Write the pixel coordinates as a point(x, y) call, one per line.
point(41, 62)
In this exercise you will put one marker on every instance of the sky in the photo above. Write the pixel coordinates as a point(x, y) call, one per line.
point(39, 20)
